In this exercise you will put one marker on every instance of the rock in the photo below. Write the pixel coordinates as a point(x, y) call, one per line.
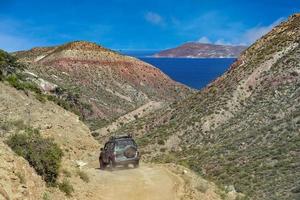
point(45, 85)
point(80, 164)
point(230, 188)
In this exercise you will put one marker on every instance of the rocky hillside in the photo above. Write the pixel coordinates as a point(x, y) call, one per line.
point(22, 109)
point(34, 130)
point(109, 84)
point(200, 50)
point(243, 130)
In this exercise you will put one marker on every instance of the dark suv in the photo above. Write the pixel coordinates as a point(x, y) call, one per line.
point(120, 150)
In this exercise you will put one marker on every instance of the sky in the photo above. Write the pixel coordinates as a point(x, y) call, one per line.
point(138, 24)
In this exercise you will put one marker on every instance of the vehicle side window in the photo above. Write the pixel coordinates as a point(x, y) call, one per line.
point(111, 146)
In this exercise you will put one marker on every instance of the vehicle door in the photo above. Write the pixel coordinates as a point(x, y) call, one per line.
point(111, 147)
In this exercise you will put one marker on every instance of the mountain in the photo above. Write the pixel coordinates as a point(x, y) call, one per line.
point(243, 130)
point(109, 84)
point(200, 50)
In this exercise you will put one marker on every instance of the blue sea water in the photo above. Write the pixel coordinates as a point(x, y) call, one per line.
point(193, 72)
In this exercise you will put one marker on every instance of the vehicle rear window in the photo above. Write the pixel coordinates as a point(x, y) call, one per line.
point(124, 143)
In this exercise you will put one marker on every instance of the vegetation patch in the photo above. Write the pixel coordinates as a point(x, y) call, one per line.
point(66, 173)
point(83, 176)
point(42, 153)
point(66, 187)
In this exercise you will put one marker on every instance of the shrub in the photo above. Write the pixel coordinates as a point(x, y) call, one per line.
point(202, 186)
point(8, 63)
point(66, 173)
point(42, 153)
point(66, 187)
point(41, 97)
point(95, 134)
point(16, 81)
point(161, 142)
point(83, 176)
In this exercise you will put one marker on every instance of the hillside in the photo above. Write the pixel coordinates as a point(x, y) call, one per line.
point(108, 83)
point(200, 50)
point(25, 111)
point(243, 130)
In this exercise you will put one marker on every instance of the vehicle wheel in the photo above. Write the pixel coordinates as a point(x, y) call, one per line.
point(111, 164)
point(102, 164)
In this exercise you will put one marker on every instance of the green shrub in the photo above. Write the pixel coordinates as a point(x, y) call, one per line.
point(83, 176)
point(41, 97)
point(95, 134)
point(66, 187)
point(66, 173)
point(16, 81)
point(42, 153)
point(161, 142)
point(8, 62)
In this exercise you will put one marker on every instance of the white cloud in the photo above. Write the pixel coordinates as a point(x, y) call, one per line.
point(252, 34)
point(224, 32)
point(154, 18)
point(204, 40)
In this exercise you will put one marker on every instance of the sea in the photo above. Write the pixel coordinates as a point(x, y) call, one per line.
point(193, 72)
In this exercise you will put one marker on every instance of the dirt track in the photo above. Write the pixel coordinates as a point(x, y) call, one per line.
point(145, 182)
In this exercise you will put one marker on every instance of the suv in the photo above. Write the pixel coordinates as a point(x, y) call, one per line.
point(120, 150)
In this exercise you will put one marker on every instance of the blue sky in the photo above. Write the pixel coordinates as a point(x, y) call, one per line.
point(138, 24)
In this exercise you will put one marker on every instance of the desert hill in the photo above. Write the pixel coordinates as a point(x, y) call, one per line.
point(109, 83)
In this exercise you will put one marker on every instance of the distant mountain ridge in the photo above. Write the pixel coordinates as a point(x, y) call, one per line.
point(202, 50)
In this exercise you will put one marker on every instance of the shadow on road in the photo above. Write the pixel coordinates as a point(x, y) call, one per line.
point(118, 168)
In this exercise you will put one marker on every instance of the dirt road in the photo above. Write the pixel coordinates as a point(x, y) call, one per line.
point(146, 182)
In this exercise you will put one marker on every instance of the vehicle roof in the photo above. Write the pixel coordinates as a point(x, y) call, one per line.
point(122, 137)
